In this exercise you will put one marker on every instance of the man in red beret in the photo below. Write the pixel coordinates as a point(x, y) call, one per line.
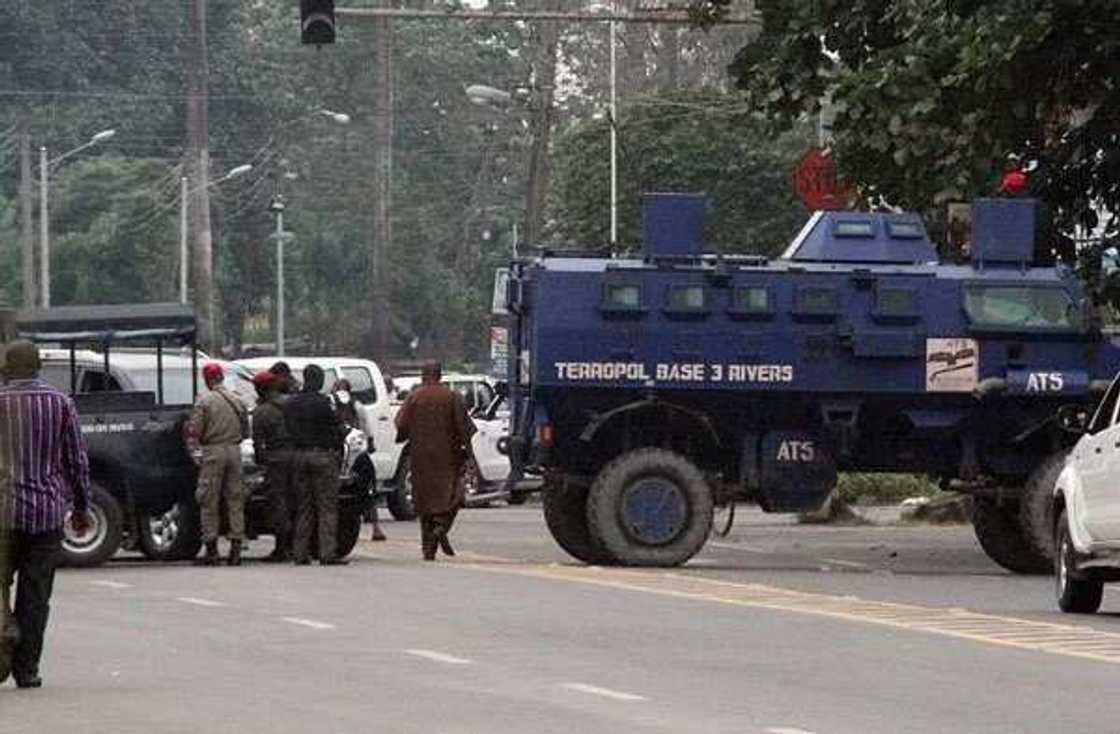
point(272, 449)
point(213, 436)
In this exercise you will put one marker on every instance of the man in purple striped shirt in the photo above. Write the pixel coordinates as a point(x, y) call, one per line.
point(44, 472)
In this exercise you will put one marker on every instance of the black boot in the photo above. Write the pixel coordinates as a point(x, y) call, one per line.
point(281, 553)
point(444, 543)
point(9, 640)
point(211, 557)
point(235, 553)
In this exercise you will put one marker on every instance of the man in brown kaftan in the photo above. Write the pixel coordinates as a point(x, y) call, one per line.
point(435, 423)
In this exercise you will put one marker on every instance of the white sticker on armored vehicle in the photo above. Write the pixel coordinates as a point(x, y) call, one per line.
point(952, 365)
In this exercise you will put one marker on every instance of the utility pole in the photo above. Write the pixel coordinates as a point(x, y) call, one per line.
point(184, 249)
point(379, 342)
point(44, 230)
point(27, 244)
point(539, 157)
point(198, 169)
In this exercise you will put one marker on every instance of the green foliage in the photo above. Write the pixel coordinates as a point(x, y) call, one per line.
point(687, 141)
point(856, 488)
point(69, 69)
point(932, 97)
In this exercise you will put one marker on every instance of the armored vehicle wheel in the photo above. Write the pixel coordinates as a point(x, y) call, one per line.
point(400, 501)
point(517, 498)
point(102, 539)
point(650, 507)
point(565, 513)
point(1075, 595)
point(349, 527)
point(1036, 510)
point(170, 536)
point(1000, 533)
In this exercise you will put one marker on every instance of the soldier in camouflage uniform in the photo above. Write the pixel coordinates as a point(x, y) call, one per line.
point(273, 451)
point(214, 432)
point(317, 435)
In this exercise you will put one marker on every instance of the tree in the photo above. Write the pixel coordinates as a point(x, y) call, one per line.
point(931, 98)
point(688, 141)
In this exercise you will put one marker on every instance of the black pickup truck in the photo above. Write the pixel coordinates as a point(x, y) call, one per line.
point(132, 420)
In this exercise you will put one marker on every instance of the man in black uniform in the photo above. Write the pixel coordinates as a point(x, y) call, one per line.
point(273, 451)
point(316, 434)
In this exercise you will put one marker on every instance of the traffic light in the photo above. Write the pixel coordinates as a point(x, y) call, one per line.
point(316, 21)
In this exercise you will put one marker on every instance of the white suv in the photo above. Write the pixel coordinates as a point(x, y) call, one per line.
point(1087, 506)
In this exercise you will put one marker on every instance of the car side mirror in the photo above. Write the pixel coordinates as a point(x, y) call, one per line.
point(1073, 419)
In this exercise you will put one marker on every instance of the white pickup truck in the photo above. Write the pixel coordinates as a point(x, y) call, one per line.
point(375, 408)
point(1086, 507)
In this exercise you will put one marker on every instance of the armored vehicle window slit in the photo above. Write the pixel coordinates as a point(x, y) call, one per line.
point(751, 302)
point(905, 230)
point(1020, 307)
point(816, 302)
point(624, 299)
point(686, 300)
point(854, 228)
point(894, 303)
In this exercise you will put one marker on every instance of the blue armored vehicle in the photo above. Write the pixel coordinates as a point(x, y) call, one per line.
point(651, 389)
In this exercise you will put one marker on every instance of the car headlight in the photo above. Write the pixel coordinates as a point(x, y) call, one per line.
point(356, 443)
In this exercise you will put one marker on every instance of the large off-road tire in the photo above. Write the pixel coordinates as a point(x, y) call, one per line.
point(565, 514)
point(1000, 533)
point(400, 502)
point(1036, 508)
point(174, 535)
point(349, 526)
point(650, 507)
point(101, 541)
point(1076, 594)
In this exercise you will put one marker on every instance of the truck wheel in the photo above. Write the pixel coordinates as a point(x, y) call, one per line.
point(471, 485)
point(400, 502)
point(101, 541)
point(349, 526)
point(170, 536)
point(565, 514)
point(1000, 533)
point(650, 507)
point(1075, 595)
point(1036, 509)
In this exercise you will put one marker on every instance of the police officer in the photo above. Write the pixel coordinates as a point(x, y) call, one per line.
point(272, 451)
point(214, 432)
point(317, 434)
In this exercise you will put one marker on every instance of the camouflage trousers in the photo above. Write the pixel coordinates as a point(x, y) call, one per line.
point(281, 504)
point(315, 485)
point(219, 478)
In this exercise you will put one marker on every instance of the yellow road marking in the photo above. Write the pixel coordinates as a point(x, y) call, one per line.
point(1045, 637)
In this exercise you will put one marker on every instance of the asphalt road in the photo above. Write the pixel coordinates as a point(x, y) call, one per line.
point(778, 629)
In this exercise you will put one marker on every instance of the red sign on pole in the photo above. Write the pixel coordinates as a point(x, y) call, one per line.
point(816, 182)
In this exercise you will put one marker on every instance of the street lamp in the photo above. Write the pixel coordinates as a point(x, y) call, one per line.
point(484, 95)
point(45, 165)
point(340, 117)
point(487, 96)
point(276, 206)
point(183, 195)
